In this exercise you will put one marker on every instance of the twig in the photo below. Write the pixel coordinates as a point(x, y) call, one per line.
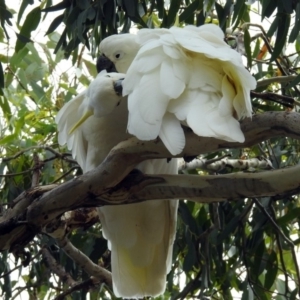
point(264, 211)
point(267, 43)
point(19, 173)
point(281, 99)
point(36, 173)
point(56, 268)
point(269, 47)
point(65, 174)
point(187, 289)
point(279, 79)
point(244, 255)
point(293, 254)
point(278, 232)
point(21, 85)
point(56, 153)
point(87, 284)
point(19, 266)
point(84, 262)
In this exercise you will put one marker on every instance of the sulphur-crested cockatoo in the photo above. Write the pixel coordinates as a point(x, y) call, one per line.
point(141, 235)
point(188, 75)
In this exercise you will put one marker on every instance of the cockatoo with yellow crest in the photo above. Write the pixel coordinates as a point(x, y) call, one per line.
point(172, 76)
point(141, 235)
point(182, 75)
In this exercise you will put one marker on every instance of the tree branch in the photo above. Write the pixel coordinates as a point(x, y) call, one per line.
point(84, 262)
point(107, 183)
point(218, 164)
point(56, 268)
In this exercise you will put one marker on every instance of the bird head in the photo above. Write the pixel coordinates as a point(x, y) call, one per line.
point(118, 52)
point(101, 97)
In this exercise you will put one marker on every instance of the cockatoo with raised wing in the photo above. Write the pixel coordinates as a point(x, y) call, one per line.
point(178, 76)
point(140, 235)
point(184, 76)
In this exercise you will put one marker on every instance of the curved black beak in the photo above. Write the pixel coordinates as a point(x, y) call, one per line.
point(103, 63)
point(118, 86)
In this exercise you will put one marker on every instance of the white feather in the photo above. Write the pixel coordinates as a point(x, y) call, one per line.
point(204, 82)
point(170, 85)
point(172, 134)
point(140, 236)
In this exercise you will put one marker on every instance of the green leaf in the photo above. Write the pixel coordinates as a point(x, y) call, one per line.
point(5, 107)
point(1, 77)
point(187, 217)
point(268, 7)
point(258, 262)
point(173, 11)
point(55, 23)
point(22, 9)
point(238, 10)
point(160, 8)
point(293, 213)
point(31, 22)
point(191, 256)
point(18, 57)
point(282, 31)
point(247, 293)
point(61, 41)
point(5, 16)
point(287, 5)
point(189, 11)
point(130, 7)
point(200, 18)
point(23, 39)
point(83, 4)
point(271, 270)
point(256, 48)
point(294, 294)
point(61, 5)
point(223, 13)
point(8, 139)
point(91, 67)
point(208, 5)
point(260, 292)
point(295, 31)
point(231, 226)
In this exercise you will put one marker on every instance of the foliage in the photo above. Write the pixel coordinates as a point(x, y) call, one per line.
point(248, 245)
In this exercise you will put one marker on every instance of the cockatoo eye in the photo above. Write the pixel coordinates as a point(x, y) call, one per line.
point(119, 55)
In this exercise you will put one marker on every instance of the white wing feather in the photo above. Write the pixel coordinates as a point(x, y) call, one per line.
point(141, 235)
point(202, 82)
point(66, 118)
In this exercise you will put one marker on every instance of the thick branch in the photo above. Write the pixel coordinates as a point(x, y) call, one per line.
point(100, 185)
point(202, 189)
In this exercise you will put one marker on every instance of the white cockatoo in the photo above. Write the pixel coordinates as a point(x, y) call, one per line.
point(182, 76)
point(80, 140)
point(173, 76)
point(140, 236)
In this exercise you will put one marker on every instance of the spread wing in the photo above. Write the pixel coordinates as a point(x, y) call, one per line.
point(193, 75)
